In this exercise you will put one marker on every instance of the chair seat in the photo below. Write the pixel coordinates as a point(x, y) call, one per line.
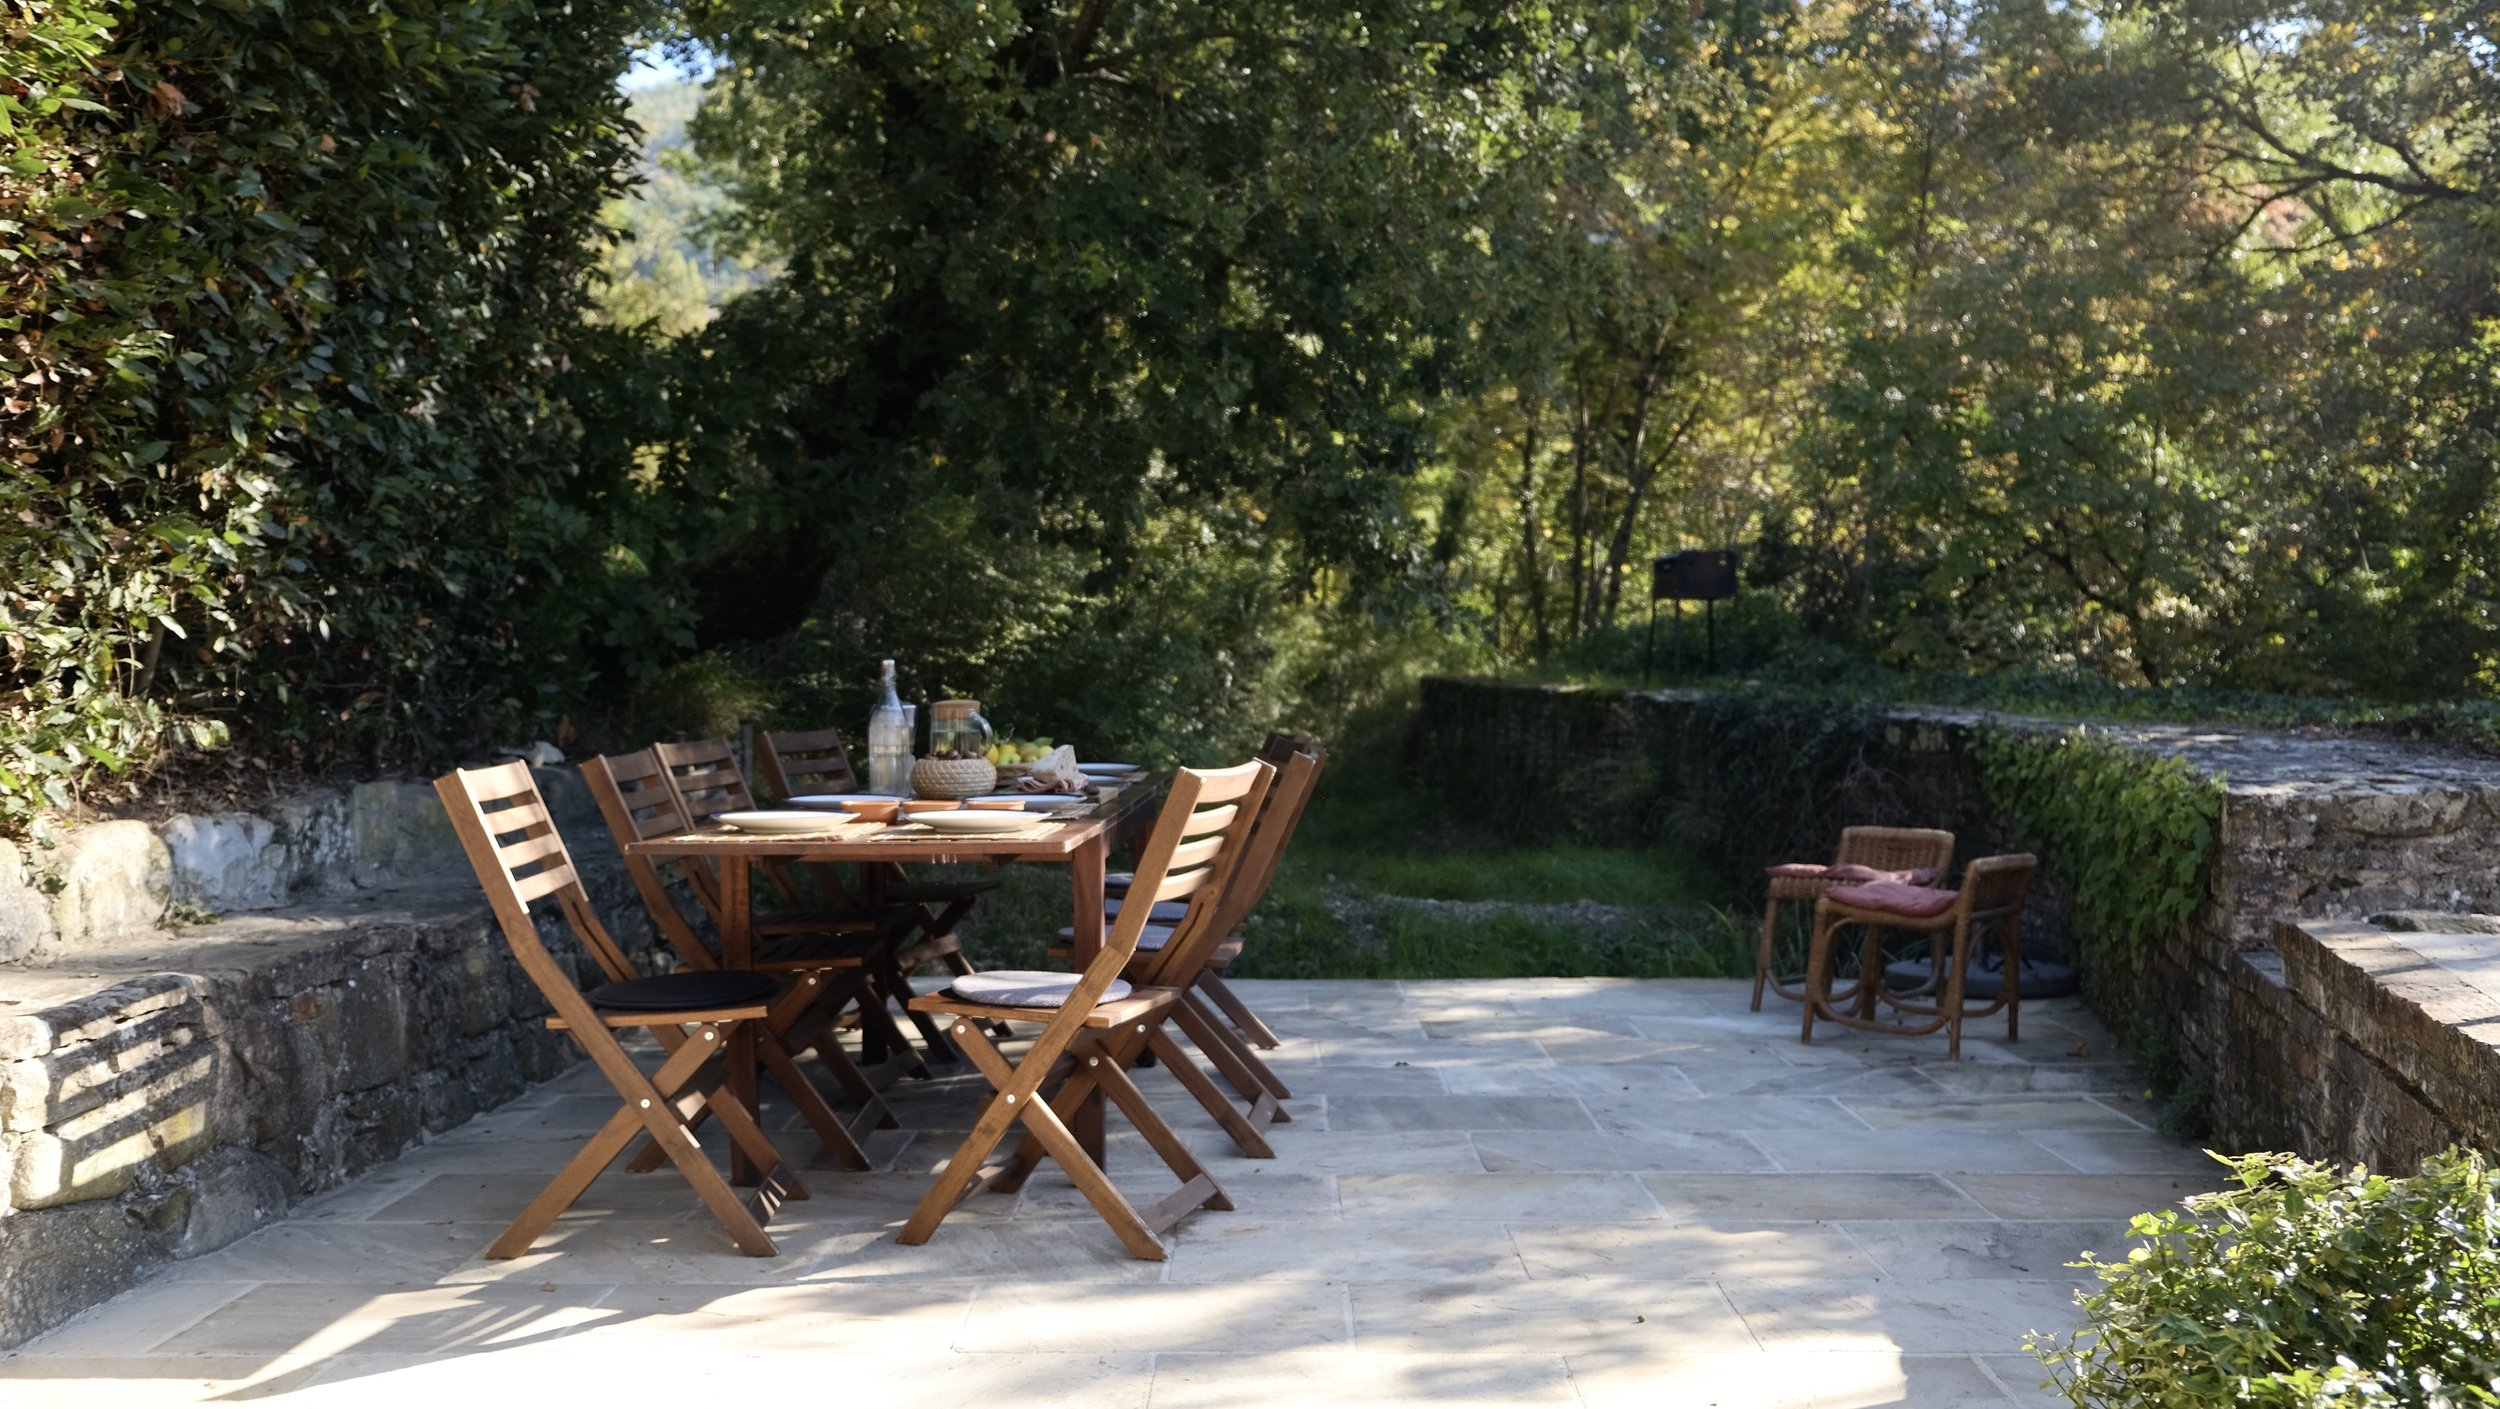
point(1165, 912)
point(1896, 898)
point(1025, 988)
point(691, 991)
point(1139, 1005)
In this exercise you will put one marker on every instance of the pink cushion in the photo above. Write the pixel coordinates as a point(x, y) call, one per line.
point(1797, 870)
point(1897, 898)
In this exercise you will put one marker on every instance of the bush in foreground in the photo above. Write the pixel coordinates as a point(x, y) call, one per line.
point(2305, 1286)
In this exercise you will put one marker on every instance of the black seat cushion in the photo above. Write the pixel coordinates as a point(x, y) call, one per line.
point(699, 989)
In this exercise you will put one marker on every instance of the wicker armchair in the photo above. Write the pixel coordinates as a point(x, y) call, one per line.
point(1883, 849)
point(1991, 899)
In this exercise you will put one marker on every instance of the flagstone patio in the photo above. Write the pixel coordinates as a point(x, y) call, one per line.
point(1570, 1192)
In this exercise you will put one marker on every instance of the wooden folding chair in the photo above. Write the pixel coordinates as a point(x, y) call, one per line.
point(1279, 749)
point(696, 1016)
point(1094, 1025)
point(1906, 851)
point(1994, 889)
point(1161, 963)
point(824, 972)
point(707, 781)
point(792, 763)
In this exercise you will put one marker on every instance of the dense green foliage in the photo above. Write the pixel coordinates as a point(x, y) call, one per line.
point(1157, 371)
point(1109, 340)
point(2303, 1288)
point(289, 294)
point(2147, 343)
point(2128, 834)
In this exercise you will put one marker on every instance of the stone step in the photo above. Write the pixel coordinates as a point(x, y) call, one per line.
point(166, 1092)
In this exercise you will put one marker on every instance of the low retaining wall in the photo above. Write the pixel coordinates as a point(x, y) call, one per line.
point(69, 889)
point(162, 1094)
point(2314, 828)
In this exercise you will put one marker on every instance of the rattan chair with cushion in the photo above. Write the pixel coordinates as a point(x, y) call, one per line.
point(1917, 855)
point(1989, 905)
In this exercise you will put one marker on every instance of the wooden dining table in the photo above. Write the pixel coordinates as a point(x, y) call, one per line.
point(1082, 838)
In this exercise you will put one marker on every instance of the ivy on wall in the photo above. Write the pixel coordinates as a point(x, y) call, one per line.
point(290, 292)
point(2128, 834)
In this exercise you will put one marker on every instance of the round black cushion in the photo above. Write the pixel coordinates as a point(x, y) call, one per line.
point(703, 988)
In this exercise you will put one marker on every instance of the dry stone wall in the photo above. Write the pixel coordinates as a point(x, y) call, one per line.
point(164, 1092)
point(71, 888)
point(2311, 1034)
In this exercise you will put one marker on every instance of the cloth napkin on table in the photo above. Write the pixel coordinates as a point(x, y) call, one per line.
point(1056, 773)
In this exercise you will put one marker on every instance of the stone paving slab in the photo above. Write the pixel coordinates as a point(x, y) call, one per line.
point(1565, 1192)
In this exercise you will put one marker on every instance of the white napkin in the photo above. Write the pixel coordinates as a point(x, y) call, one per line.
point(1055, 773)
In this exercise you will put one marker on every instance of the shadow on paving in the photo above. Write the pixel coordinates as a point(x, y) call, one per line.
point(1576, 1192)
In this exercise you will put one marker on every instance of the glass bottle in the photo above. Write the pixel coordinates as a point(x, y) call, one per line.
point(889, 740)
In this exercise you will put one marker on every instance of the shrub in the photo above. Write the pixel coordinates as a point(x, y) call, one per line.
point(288, 296)
point(2305, 1286)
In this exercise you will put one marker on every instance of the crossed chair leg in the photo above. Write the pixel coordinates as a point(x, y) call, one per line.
point(1091, 1062)
point(1260, 1035)
point(817, 995)
point(1232, 1057)
point(664, 1106)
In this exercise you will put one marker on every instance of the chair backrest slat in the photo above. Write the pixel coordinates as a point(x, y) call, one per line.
point(636, 801)
point(1220, 803)
point(504, 826)
point(1996, 885)
point(793, 762)
point(544, 883)
point(705, 778)
point(1173, 888)
point(1277, 818)
point(1897, 849)
point(532, 848)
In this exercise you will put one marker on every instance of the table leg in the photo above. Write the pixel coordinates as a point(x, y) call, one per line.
point(737, 951)
point(1086, 869)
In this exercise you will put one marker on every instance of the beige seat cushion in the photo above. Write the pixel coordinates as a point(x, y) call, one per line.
point(1025, 988)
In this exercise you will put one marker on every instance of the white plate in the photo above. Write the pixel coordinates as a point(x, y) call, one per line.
point(1031, 799)
point(971, 822)
point(1109, 768)
point(780, 823)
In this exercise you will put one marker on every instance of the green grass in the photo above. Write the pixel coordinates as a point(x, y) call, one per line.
point(1384, 882)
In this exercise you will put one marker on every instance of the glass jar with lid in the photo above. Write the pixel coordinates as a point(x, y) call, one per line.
point(957, 764)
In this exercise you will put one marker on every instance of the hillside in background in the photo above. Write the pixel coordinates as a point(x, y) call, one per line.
point(660, 271)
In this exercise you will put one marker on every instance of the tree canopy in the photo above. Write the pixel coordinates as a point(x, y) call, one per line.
point(1164, 368)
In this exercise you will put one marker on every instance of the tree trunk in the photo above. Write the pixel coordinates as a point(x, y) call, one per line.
point(1531, 530)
